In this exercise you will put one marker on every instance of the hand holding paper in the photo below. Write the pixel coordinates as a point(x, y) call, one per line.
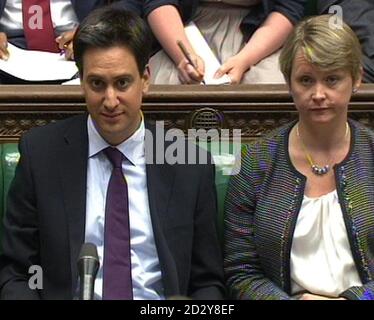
point(37, 65)
point(234, 67)
point(202, 48)
point(4, 53)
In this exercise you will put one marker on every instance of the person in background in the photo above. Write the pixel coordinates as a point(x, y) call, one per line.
point(245, 35)
point(43, 25)
point(100, 178)
point(299, 216)
point(54, 29)
point(359, 15)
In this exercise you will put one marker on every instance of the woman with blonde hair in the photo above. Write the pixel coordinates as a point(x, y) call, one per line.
point(300, 214)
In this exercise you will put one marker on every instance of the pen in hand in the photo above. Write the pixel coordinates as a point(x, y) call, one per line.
point(187, 55)
point(65, 50)
point(65, 47)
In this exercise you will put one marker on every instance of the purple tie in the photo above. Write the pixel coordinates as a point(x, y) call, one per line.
point(117, 283)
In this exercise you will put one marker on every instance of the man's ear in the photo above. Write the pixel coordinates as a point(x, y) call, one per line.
point(146, 79)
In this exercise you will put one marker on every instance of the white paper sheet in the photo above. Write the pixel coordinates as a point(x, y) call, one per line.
point(37, 65)
point(73, 82)
point(202, 49)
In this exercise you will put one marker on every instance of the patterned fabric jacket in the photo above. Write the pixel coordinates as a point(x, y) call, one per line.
point(262, 205)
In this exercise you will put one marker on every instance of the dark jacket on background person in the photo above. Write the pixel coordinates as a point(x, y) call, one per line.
point(292, 9)
point(359, 15)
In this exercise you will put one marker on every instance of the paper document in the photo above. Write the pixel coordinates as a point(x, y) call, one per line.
point(73, 82)
point(203, 50)
point(37, 65)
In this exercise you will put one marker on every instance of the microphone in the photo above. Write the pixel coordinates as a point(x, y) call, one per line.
point(88, 265)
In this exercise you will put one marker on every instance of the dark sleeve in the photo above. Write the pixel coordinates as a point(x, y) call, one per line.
point(293, 10)
point(245, 277)
point(20, 236)
point(359, 15)
point(186, 8)
point(145, 7)
point(130, 5)
point(322, 6)
point(206, 280)
point(150, 5)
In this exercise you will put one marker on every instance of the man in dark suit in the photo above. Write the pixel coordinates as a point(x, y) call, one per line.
point(61, 195)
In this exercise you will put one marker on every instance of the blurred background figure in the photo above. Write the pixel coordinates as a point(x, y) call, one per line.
point(245, 36)
point(299, 216)
point(44, 25)
point(61, 17)
point(359, 15)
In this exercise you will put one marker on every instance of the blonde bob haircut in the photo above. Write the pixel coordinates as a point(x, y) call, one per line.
point(324, 44)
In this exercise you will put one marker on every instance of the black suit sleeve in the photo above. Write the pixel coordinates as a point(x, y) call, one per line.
point(20, 236)
point(207, 264)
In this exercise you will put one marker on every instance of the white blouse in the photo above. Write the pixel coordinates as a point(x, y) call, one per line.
point(321, 258)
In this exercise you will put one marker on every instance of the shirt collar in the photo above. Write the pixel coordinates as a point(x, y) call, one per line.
point(132, 148)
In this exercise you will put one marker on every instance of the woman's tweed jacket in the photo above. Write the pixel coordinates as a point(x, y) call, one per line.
point(262, 205)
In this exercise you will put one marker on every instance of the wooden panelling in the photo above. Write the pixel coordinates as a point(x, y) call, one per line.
point(255, 109)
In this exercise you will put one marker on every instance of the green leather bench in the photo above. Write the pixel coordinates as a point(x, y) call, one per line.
point(224, 161)
point(9, 158)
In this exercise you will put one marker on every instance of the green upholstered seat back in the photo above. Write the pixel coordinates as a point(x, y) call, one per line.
point(9, 158)
point(223, 157)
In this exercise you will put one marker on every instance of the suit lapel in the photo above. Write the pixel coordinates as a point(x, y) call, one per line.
point(73, 171)
point(160, 180)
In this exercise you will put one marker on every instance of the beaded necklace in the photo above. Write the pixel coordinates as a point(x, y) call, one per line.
point(318, 170)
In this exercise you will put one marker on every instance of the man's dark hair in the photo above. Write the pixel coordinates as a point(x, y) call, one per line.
point(109, 27)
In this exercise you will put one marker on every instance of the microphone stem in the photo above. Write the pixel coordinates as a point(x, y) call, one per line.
point(87, 290)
